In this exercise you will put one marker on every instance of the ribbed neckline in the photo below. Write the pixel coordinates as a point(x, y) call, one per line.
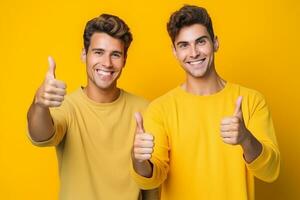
point(215, 95)
point(100, 105)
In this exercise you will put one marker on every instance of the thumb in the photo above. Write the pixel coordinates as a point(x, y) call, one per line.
point(238, 107)
point(51, 68)
point(139, 123)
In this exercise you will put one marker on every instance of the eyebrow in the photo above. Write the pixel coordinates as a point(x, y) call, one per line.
point(119, 52)
point(99, 49)
point(199, 38)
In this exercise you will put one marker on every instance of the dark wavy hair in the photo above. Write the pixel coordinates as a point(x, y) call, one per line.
point(111, 25)
point(186, 16)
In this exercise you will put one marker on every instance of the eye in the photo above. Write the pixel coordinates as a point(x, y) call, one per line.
point(116, 55)
point(98, 52)
point(183, 45)
point(201, 42)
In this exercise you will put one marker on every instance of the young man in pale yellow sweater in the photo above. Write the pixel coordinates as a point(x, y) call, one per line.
point(93, 127)
point(207, 138)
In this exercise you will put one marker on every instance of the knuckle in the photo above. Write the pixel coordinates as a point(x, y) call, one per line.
point(136, 143)
point(46, 95)
point(236, 119)
point(51, 82)
point(136, 150)
point(46, 102)
point(47, 88)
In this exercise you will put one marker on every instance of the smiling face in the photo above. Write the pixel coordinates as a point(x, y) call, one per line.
point(194, 49)
point(105, 60)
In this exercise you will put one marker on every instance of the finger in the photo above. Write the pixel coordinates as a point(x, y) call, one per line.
point(143, 144)
point(238, 107)
point(53, 97)
point(145, 137)
point(139, 123)
point(51, 68)
point(226, 121)
point(48, 103)
point(228, 134)
point(54, 90)
point(143, 150)
point(57, 83)
point(142, 157)
point(229, 127)
point(228, 140)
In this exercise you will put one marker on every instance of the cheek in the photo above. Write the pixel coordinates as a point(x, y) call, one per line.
point(91, 60)
point(119, 64)
point(89, 70)
point(208, 50)
point(181, 55)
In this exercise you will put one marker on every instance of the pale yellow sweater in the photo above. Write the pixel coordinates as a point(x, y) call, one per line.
point(93, 143)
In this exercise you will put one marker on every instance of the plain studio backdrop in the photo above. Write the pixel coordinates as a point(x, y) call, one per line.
point(259, 48)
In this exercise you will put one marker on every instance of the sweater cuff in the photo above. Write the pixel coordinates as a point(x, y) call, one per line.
point(260, 161)
point(144, 182)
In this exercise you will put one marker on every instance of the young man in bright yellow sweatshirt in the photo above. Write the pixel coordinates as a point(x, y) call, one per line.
point(93, 127)
point(208, 138)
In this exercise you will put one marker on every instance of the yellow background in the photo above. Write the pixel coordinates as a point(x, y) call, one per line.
point(259, 48)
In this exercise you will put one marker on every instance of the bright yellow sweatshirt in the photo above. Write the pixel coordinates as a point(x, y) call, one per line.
point(93, 143)
point(190, 159)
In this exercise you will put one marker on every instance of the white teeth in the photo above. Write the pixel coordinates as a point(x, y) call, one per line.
point(103, 72)
point(197, 62)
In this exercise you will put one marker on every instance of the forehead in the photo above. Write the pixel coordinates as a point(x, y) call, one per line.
point(191, 33)
point(106, 42)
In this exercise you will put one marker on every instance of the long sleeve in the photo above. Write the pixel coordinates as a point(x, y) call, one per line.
point(267, 165)
point(60, 123)
point(155, 124)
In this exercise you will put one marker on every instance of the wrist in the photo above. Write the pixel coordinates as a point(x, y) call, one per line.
point(246, 142)
point(252, 148)
point(143, 168)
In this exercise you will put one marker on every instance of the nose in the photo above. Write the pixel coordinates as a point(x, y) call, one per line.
point(106, 61)
point(194, 51)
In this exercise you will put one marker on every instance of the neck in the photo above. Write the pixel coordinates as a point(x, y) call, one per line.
point(101, 95)
point(207, 85)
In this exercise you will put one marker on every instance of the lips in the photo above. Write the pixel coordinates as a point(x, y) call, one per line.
point(196, 62)
point(104, 72)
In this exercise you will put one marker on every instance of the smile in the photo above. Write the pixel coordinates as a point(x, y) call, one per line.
point(104, 72)
point(196, 62)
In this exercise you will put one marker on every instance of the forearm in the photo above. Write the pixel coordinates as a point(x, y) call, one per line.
point(40, 124)
point(143, 168)
point(252, 148)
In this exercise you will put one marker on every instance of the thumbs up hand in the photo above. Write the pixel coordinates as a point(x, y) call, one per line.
point(233, 129)
point(143, 142)
point(51, 93)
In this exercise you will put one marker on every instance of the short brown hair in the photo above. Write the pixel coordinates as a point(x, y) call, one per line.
point(111, 25)
point(187, 16)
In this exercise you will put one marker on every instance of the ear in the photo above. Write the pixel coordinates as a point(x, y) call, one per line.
point(216, 44)
point(83, 55)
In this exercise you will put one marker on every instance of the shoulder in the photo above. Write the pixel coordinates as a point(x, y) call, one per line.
point(246, 92)
point(252, 99)
point(135, 99)
point(167, 97)
point(166, 101)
